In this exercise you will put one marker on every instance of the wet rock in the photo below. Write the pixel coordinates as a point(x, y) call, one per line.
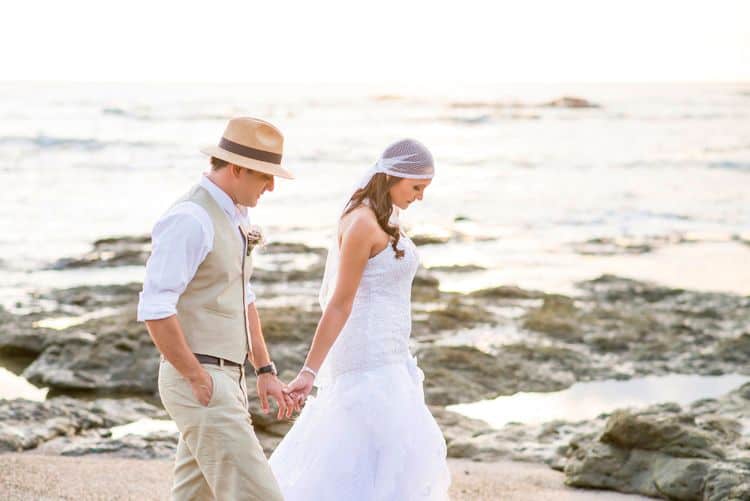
point(313, 273)
point(458, 430)
point(614, 288)
point(87, 298)
point(641, 327)
point(458, 268)
point(539, 443)
point(727, 481)
point(288, 324)
point(459, 374)
point(457, 313)
point(116, 353)
point(612, 247)
point(664, 451)
point(292, 248)
point(675, 435)
point(156, 445)
point(507, 292)
point(109, 252)
point(429, 239)
point(425, 288)
point(735, 349)
point(557, 316)
point(19, 339)
point(25, 424)
point(103, 355)
point(570, 102)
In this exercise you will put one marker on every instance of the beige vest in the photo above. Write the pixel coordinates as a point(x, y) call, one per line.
point(212, 311)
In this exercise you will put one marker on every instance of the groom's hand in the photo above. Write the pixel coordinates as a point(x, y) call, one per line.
point(269, 385)
point(202, 386)
point(300, 388)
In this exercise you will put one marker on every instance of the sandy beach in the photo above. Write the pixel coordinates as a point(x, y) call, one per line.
point(31, 476)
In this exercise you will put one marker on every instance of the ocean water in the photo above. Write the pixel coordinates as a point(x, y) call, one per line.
point(669, 163)
point(588, 400)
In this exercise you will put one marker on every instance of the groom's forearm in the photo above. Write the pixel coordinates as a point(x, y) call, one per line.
point(167, 335)
point(258, 351)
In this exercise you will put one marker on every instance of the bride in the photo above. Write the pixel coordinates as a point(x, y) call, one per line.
point(368, 434)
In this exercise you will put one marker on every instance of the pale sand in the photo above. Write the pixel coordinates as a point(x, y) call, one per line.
point(32, 476)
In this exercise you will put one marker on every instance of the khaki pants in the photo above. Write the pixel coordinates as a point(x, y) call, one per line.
point(218, 455)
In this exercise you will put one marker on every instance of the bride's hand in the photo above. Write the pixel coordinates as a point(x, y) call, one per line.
point(300, 387)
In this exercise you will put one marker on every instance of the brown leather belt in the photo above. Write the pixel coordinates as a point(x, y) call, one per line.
point(208, 359)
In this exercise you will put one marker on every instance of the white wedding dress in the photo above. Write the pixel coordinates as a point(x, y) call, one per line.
point(368, 435)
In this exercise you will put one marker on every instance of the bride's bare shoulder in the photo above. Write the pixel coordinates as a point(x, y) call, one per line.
point(361, 218)
point(361, 224)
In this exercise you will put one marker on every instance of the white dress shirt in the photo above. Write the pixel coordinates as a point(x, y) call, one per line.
point(180, 241)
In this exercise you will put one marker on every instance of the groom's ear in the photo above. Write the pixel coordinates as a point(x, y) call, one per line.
point(236, 170)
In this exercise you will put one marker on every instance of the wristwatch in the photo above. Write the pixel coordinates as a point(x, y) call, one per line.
point(266, 369)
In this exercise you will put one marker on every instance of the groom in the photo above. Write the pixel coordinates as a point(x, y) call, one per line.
point(200, 312)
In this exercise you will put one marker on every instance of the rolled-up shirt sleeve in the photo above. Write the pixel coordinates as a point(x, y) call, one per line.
point(249, 294)
point(180, 243)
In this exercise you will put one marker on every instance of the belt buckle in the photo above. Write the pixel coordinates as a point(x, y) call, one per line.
point(221, 362)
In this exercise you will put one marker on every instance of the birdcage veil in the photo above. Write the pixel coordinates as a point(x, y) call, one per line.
point(407, 158)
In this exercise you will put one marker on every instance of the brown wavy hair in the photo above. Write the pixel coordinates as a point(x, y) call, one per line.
point(376, 192)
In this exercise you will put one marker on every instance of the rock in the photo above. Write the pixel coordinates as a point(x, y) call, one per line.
point(458, 430)
point(156, 445)
point(88, 298)
point(313, 273)
point(727, 482)
point(570, 102)
point(607, 467)
point(425, 288)
point(25, 424)
point(614, 288)
point(457, 314)
point(292, 248)
point(113, 354)
point(612, 247)
point(459, 374)
point(18, 340)
point(665, 451)
point(429, 239)
point(646, 328)
point(19, 337)
point(735, 349)
point(558, 316)
point(675, 435)
point(108, 252)
point(287, 324)
point(458, 268)
point(507, 292)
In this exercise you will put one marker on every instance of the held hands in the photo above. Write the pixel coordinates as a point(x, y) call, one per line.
point(269, 384)
point(300, 388)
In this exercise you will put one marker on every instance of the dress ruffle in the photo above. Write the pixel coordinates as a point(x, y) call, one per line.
point(367, 436)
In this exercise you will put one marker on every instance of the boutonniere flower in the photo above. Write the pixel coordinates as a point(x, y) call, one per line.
point(254, 238)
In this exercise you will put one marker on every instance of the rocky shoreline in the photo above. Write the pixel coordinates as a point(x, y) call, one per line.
point(84, 343)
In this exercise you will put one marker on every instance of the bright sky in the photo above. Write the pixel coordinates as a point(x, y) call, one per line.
point(376, 41)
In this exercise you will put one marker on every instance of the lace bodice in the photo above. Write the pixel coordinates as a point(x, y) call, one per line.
point(378, 329)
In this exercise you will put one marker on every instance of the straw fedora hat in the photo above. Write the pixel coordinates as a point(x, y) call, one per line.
point(251, 143)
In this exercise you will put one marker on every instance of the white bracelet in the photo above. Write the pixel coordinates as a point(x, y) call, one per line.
point(307, 369)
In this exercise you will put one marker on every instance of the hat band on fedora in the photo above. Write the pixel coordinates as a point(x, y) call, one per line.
point(247, 151)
